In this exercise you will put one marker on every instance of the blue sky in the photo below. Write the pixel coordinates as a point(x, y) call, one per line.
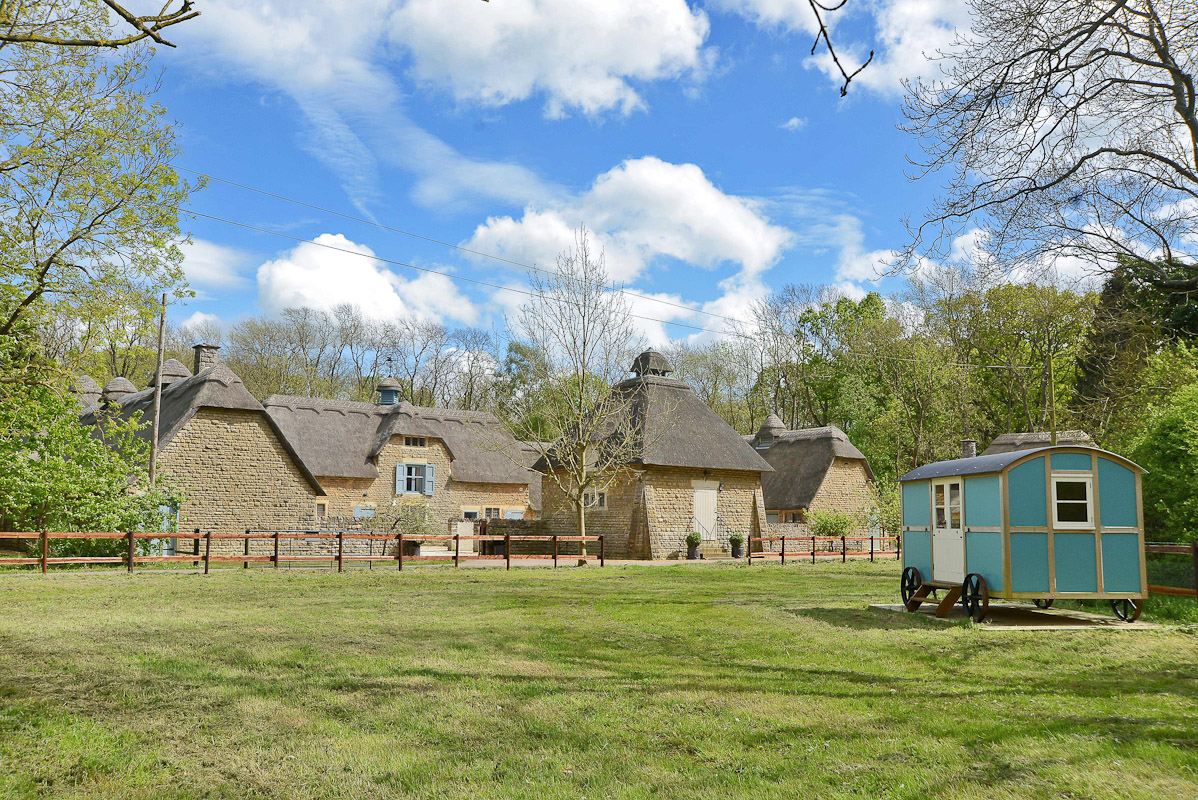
point(709, 153)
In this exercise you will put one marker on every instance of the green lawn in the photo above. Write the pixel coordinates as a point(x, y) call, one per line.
point(675, 682)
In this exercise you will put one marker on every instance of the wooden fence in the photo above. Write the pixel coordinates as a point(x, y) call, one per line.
point(206, 557)
point(1163, 548)
point(843, 551)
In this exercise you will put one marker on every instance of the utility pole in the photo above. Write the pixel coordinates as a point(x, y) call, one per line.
point(1052, 397)
point(157, 394)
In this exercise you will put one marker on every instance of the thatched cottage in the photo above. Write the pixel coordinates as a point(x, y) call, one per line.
point(815, 469)
point(1010, 442)
point(690, 472)
point(373, 456)
point(234, 465)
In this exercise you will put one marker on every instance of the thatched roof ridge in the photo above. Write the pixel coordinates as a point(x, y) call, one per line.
point(1010, 442)
point(800, 460)
point(215, 387)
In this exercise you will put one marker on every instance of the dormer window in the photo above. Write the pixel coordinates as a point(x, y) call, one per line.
point(414, 441)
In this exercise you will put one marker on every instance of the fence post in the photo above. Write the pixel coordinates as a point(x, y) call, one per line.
point(457, 548)
point(45, 550)
point(871, 548)
point(340, 549)
point(812, 549)
point(601, 549)
point(1194, 550)
point(784, 548)
point(195, 550)
point(400, 549)
point(507, 548)
point(130, 557)
point(207, 550)
point(246, 549)
point(844, 551)
point(276, 549)
point(555, 551)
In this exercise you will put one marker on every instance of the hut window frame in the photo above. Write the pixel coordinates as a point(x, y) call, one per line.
point(1087, 503)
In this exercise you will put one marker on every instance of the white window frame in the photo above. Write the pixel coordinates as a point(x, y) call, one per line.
point(594, 499)
point(1057, 523)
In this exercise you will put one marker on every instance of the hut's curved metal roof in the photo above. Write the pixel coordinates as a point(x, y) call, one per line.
point(995, 462)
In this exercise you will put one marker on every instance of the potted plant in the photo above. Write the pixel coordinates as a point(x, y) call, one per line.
point(737, 543)
point(692, 545)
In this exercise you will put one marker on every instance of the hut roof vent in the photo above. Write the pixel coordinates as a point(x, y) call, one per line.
point(388, 390)
point(116, 390)
point(172, 370)
point(651, 362)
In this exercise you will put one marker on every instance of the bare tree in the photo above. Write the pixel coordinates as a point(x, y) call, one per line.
point(1068, 128)
point(582, 334)
point(53, 23)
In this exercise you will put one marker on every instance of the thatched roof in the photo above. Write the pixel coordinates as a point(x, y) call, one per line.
point(1010, 442)
point(172, 370)
point(342, 438)
point(87, 390)
point(800, 460)
point(215, 387)
point(672, 427)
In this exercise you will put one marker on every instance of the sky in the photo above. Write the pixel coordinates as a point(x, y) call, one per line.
point(708, 152)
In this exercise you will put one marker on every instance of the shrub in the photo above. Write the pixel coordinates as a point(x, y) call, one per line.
point(693, 539)
point(1169, 451)
point(831, 523)
point(736, 540)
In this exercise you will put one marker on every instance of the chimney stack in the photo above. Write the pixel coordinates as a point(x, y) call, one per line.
point(206, 356)
point(969, 448)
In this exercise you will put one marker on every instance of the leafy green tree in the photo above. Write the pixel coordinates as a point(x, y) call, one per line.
point(1169, 451)
point(60, 476)
point(88, 199)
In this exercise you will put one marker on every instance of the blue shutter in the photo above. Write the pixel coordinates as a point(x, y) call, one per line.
point(399, 478)
point(430, 475)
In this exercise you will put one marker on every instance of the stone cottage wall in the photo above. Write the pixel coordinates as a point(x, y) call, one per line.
point(845, 488)
point(649, 513)
point(235, 474)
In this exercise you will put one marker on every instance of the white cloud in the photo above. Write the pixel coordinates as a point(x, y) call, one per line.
point(340, 68)
point(639, 211)
point(331, 270)
point(794, 124)
point(793, 15)
point(214, 266)
point(200, 320)
point(576, 53)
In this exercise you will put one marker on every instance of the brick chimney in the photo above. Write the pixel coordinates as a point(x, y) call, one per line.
point(206, 356)
point(969, 448)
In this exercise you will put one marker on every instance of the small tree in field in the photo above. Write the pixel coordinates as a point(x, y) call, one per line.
point(579, 334)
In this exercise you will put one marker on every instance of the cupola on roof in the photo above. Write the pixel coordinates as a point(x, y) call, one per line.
point(651, 362)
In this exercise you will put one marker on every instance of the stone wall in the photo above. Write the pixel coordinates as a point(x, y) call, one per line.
point(449, 500)
point(649, 513)
point(845, 488)
point(261, 488)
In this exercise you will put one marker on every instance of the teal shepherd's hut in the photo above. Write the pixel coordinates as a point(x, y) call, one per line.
point(1040, 524)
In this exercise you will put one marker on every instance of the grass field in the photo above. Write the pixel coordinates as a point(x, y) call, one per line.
point(677, 682)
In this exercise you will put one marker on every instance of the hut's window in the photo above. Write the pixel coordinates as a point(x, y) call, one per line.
point(492, 513)
point(469, 515)
point(414, 441)
point(591, 500)
point(948, 505)
point(1072, 501)
point(414, 478)
point(322, 510)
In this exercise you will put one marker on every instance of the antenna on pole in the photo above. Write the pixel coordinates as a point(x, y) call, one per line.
point(158, 394)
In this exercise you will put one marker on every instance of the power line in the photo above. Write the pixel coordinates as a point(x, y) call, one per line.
point(430, 239)
point(525, 292)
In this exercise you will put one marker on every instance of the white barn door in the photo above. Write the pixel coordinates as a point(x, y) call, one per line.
point(706, 495)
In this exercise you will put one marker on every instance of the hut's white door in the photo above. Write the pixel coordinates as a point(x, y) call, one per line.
point(948, 537)
point(706, 493)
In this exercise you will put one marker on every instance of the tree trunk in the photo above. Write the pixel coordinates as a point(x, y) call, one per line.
point(582, 527)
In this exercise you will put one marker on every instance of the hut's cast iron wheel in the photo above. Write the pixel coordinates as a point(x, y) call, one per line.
point(1044, 602)
point(1127, 609)
point(909, 583)
point(975, 597)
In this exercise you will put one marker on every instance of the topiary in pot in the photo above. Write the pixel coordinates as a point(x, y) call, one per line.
point(693, 540)
point(737, 543)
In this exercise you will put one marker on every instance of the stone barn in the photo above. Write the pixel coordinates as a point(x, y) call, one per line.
point(691, 472)
point(815, 469)
point(234, 466)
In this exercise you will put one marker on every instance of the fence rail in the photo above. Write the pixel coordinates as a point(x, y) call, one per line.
point(843, 552)
point(276, 557)
point(1169, 549)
